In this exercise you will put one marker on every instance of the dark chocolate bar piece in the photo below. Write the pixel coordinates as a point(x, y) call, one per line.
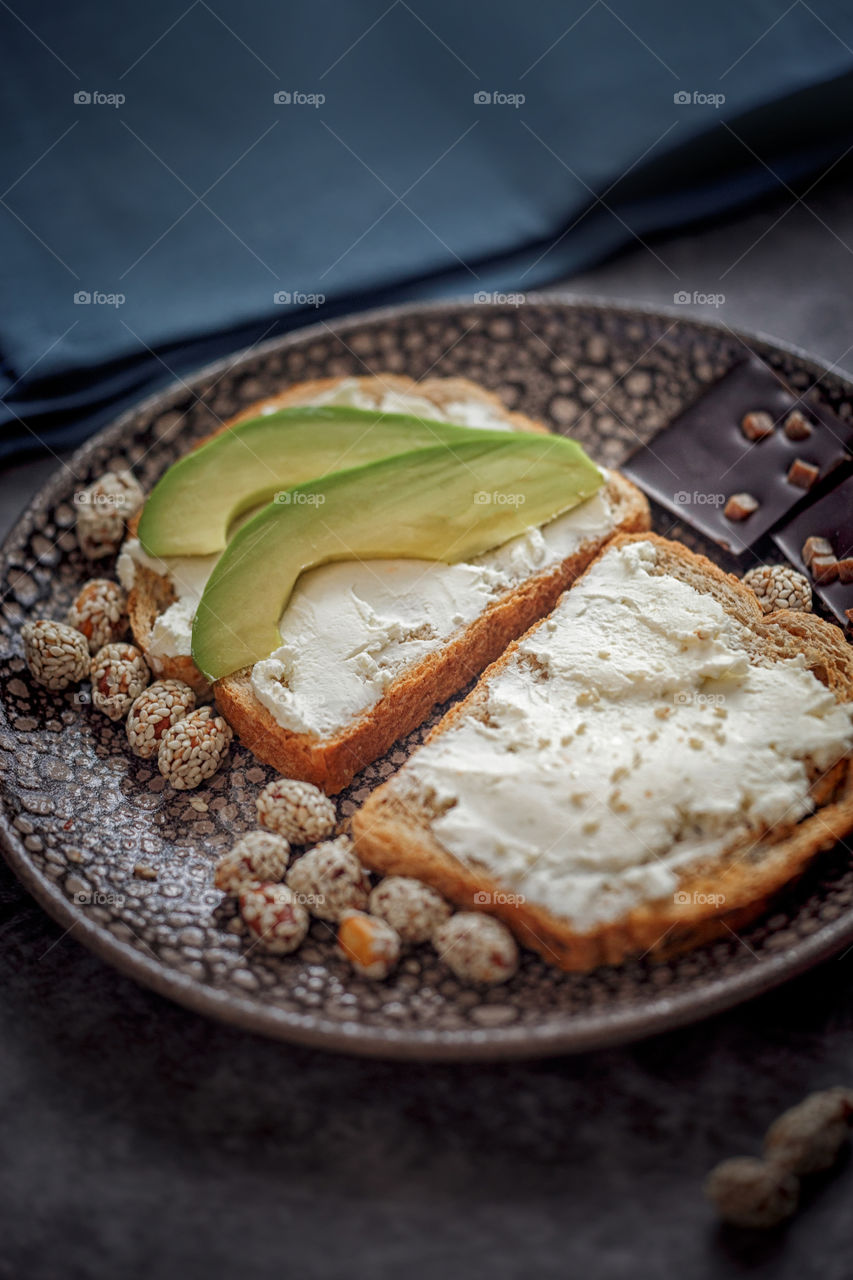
point(830, 517)
point(704, 457)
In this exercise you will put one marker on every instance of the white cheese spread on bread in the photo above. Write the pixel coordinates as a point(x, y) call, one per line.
point(627, 737)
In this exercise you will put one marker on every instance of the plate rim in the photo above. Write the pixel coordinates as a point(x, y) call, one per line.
point(579, 1033)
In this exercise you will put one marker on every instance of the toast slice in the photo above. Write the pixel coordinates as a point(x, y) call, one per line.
point(152, 592)
point(585, 900)
point(331, 760)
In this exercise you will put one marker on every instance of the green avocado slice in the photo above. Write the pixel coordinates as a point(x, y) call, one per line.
point(442, 503)
point(193, 506)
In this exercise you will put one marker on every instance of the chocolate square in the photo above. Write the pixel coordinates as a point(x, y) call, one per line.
point(703, 457)
point(830, 517)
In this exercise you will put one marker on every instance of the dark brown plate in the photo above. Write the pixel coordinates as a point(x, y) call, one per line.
point(80, 812)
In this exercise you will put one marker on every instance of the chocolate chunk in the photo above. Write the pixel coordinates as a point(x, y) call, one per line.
point(802, 474)
point(815, 547)
point(845, 569)
point(848, 613)
point(824, 569)
point(755, 426)
point(703, 455)
point(829, 517)
point(797, 427)
point(740, 506)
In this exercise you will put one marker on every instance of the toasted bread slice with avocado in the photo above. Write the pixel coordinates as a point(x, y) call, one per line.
point(152, 592)
point(654, 790)
point(331, 759)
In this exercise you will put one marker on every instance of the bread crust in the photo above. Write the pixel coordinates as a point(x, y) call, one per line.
point(332, 763)
point(440, 391)
point(393, 836)
point(150, 596)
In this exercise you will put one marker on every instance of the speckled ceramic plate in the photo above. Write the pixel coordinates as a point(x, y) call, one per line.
point(126, 863)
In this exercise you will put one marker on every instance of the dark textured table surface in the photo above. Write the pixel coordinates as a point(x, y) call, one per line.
point(138, 1140)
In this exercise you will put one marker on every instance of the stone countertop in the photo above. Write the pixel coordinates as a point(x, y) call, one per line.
point(140, 1140)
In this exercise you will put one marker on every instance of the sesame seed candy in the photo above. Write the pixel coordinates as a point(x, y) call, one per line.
point(370, 944)
point(299, 811)
point(330, 880)
point(276, 921)
point(193, 748)
point(56, 654)
point(102, 510)
point(778, 586)
point(119, 674)
point(155, 710)
point(258, 856)
point(477, 948)
point(414, 909)
point(99, 612)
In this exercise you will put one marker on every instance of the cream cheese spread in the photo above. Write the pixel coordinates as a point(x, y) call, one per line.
point(465, 413)
point(351, 628)
point(627, 737)
point(171, 635)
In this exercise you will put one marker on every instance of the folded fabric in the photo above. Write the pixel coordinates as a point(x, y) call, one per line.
point(187, 180)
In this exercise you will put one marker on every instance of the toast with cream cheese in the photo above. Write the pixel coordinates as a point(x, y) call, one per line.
point(639, 773)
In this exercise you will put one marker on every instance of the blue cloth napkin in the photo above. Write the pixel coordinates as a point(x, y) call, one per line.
point(181, 180)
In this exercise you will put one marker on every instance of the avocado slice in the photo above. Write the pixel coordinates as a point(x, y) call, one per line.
point(443, 503)
point(193, 506)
